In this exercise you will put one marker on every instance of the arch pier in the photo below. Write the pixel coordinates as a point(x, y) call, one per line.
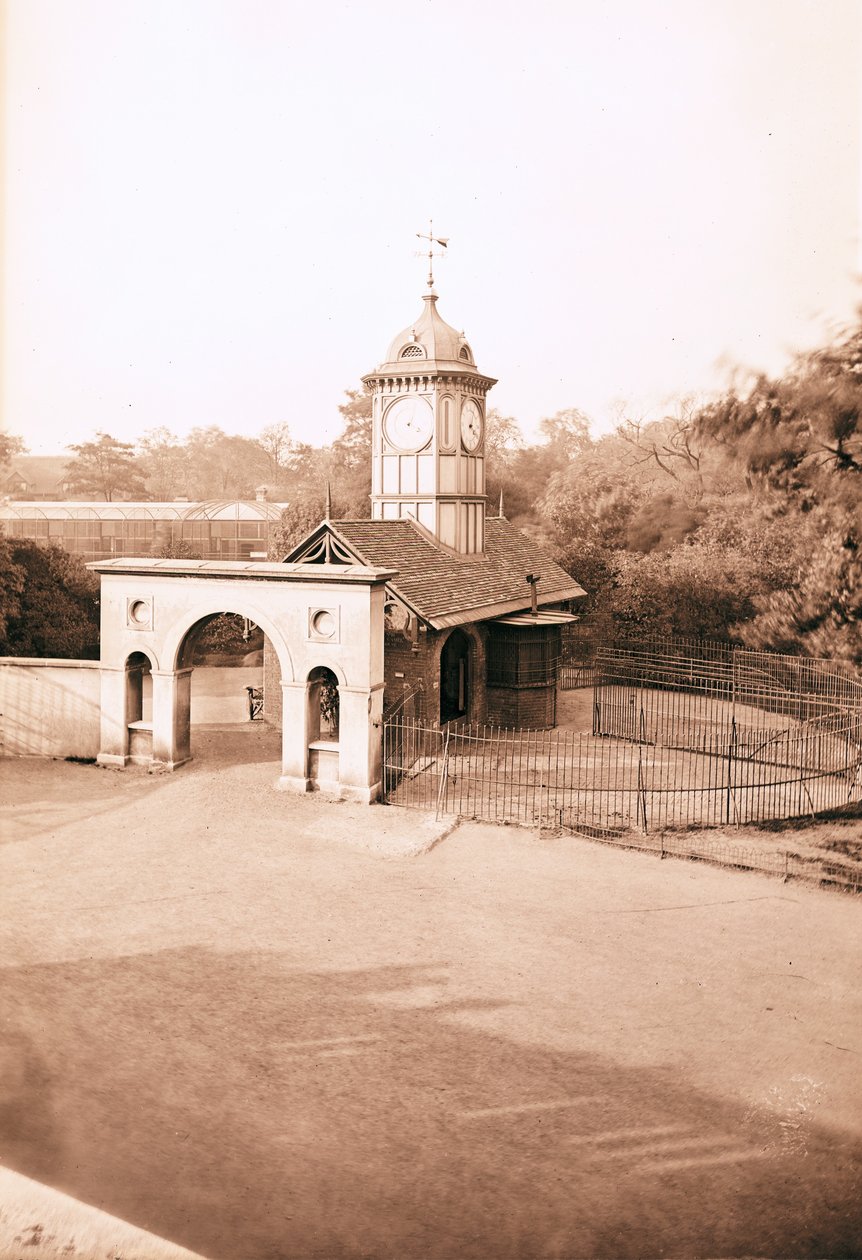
point(325, 624)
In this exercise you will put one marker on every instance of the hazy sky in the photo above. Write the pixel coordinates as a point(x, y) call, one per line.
point(211, 204)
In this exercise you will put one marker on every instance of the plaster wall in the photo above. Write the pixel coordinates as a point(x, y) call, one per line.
point(49, 708)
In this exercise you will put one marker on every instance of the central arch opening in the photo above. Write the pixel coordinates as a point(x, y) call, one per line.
point(224, 652)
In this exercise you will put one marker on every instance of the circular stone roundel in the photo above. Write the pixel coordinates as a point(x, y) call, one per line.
point(139, 612)
point(323, 623)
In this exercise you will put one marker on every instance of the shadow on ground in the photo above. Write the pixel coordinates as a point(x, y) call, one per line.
point(250, 1111)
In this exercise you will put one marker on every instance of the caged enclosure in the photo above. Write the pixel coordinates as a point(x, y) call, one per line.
point(672, 735)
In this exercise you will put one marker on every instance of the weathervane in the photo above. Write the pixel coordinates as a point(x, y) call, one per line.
point(432, 253)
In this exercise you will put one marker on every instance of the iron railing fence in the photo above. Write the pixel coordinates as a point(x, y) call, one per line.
point(797, 687)
point(685, 735)
point(627, 795)
point(411, 703)
point(789, 686)
point(697, 722)
point(602, 786)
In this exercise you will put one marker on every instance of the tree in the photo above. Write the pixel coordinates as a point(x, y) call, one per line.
point(692, 590)
point(673, 445)
point(592, 498)
point(164, 462)
point(228, 635)
point(12, 577)
point(53, 606)
point(278, 446)
point(661, 522)
point(169, 544)
point(10, 446)
point(566, 434)
point(798, 440)
point(352, 448)
point(297, 521)
point(105, 469)
point(529, 469)
point(350, 468)
point(224, 466)
point(503, 441)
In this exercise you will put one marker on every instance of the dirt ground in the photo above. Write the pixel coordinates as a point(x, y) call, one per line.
point(246, 1023)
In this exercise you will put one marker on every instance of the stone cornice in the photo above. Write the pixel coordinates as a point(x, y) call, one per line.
point(433, 375)
point(239, 571)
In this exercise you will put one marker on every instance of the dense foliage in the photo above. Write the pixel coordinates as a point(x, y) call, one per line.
point(49, 603)
point(799, 442)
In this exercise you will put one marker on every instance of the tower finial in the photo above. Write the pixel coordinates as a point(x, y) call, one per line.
point(501, 501)
point(432, 253)
point(327, 516)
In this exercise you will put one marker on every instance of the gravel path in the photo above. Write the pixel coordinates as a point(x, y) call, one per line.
point(248, 1024)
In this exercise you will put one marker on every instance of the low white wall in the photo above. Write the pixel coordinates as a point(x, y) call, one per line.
point(49, 708)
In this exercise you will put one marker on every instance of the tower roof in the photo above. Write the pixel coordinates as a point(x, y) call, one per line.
point(430, 337)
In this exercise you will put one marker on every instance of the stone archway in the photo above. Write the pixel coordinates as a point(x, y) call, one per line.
point(329, 618)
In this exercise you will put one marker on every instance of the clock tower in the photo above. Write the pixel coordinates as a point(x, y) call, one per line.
point(428, 427)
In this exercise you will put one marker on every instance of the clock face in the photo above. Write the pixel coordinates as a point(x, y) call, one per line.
point(471, 425)
point(409, 423)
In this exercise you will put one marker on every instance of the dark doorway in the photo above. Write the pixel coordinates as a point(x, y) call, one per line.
point(454, 677)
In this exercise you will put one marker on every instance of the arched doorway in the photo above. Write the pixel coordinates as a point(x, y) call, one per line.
point(455, 677)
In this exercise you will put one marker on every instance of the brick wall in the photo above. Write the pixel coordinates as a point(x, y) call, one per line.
point(408, 666)
point(533, 708)
point(407, 669)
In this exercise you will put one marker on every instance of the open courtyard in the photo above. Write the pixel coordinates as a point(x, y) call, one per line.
point(262, 1026)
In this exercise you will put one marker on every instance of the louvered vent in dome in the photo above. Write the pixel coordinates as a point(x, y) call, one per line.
point(413, 352)
point(464, 353)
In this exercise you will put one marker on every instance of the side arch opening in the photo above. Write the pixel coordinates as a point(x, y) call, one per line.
point(139, 707)
point(323, 713)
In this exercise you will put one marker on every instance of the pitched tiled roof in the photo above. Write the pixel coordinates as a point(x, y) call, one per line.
point(43, 474)
point(445, 589)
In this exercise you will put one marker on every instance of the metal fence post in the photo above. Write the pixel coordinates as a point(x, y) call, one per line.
point(642, 805)
point(441, 791)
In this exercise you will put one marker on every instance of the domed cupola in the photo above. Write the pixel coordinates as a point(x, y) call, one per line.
point(430, 337)
point(428, 432)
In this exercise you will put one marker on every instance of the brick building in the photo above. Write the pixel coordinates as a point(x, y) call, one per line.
point(474, 616)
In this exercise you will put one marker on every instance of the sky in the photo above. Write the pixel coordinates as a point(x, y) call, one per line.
point(211, 206)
